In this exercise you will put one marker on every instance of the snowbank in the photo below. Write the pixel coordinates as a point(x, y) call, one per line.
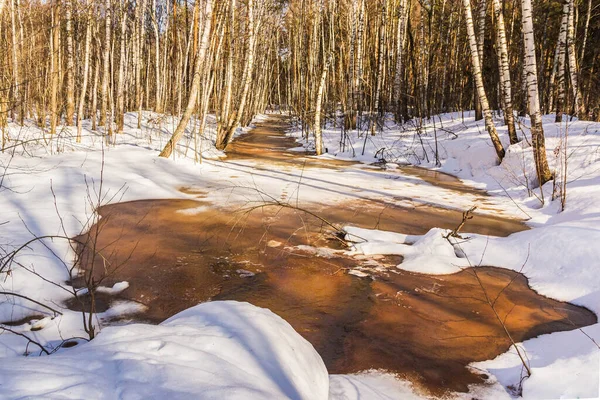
point(219, 350)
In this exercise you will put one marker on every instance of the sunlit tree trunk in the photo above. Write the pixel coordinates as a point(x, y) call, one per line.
point(140, 12)
point(236, 115)
point(70, 108)
point(530, 68)
point(157, 82)
point(561, 64)
point(86, 68)
point(400, 41)
point(54, 71)
point(106, 65)
point(121, 77)
point(487, 113)
point(481, 14)
point(318, 106)
point(198, 72)
point(15, 60)
point(572, 59)
point(503, 62)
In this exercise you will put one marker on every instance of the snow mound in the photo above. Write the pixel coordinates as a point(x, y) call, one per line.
point(218, 350)
point(431, 253)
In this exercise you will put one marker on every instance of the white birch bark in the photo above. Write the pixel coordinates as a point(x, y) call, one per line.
point(572, 59)
point(503, 62)
point(318, 106)
point(487, 113)
point(400, 41)
point(530, 69)
point(236, 116)
point(121, 73)
point(86, 67)
point(198, 72)
point(70, 109)
point(15, 60)
point(561, 64)
point(106, 64)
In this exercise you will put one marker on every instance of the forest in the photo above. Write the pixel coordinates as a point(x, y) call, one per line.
point(304, 199)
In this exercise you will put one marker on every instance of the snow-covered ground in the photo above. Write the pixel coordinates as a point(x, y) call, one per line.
point(52, 185)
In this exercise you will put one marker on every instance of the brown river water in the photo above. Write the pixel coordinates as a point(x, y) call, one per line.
point(425, 328)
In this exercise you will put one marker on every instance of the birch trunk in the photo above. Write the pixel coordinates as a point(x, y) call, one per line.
point(530, 70)
point(236, 116)
point(319, 103)
point(585, 30)
point(15, 60)
point(157, 99)
point(561, 68)
point(503, 62)
point(140, 39)
point(106, 65)
point(198, 72)
point(86, 67)
point(54, 44)
point(226, 103)
point(70, 109)
point(572, 59)
point(400, 41)
point(121, 76)
point(358, 102)
point(487, 113)
point(482, 11)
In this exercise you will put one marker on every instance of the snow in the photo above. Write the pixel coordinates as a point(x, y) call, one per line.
point(218, 350)
point(52, 186)
point(431, 253)
point(115, 289)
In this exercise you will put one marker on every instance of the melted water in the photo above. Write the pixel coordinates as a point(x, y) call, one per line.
point(423, 327)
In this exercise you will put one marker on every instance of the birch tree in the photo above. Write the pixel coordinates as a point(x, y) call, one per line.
point(236, 115)
point(70, 107)
point(86, 67)
point(318, 106)
point(106, 64)
point(572, 57)
point(533, 99)
point(487, 113)
point(504, 71)
point(193, 96)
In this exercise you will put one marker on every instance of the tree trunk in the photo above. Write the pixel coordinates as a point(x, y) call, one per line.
point(140, 39)
point(561, 65)
point(95, 94)
point(198, 72)
point(400, 40)
point(54, 44)
point(157, 99)
point(530, 70)
point(121, 76)
point(70, 110)
point(481, 14)
point(236, 117)
point(572, 58)
point(106, 65)
point(489, 121)
point(15, 60)
point(503, 62)
point(319, 102)
point(86, 68)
